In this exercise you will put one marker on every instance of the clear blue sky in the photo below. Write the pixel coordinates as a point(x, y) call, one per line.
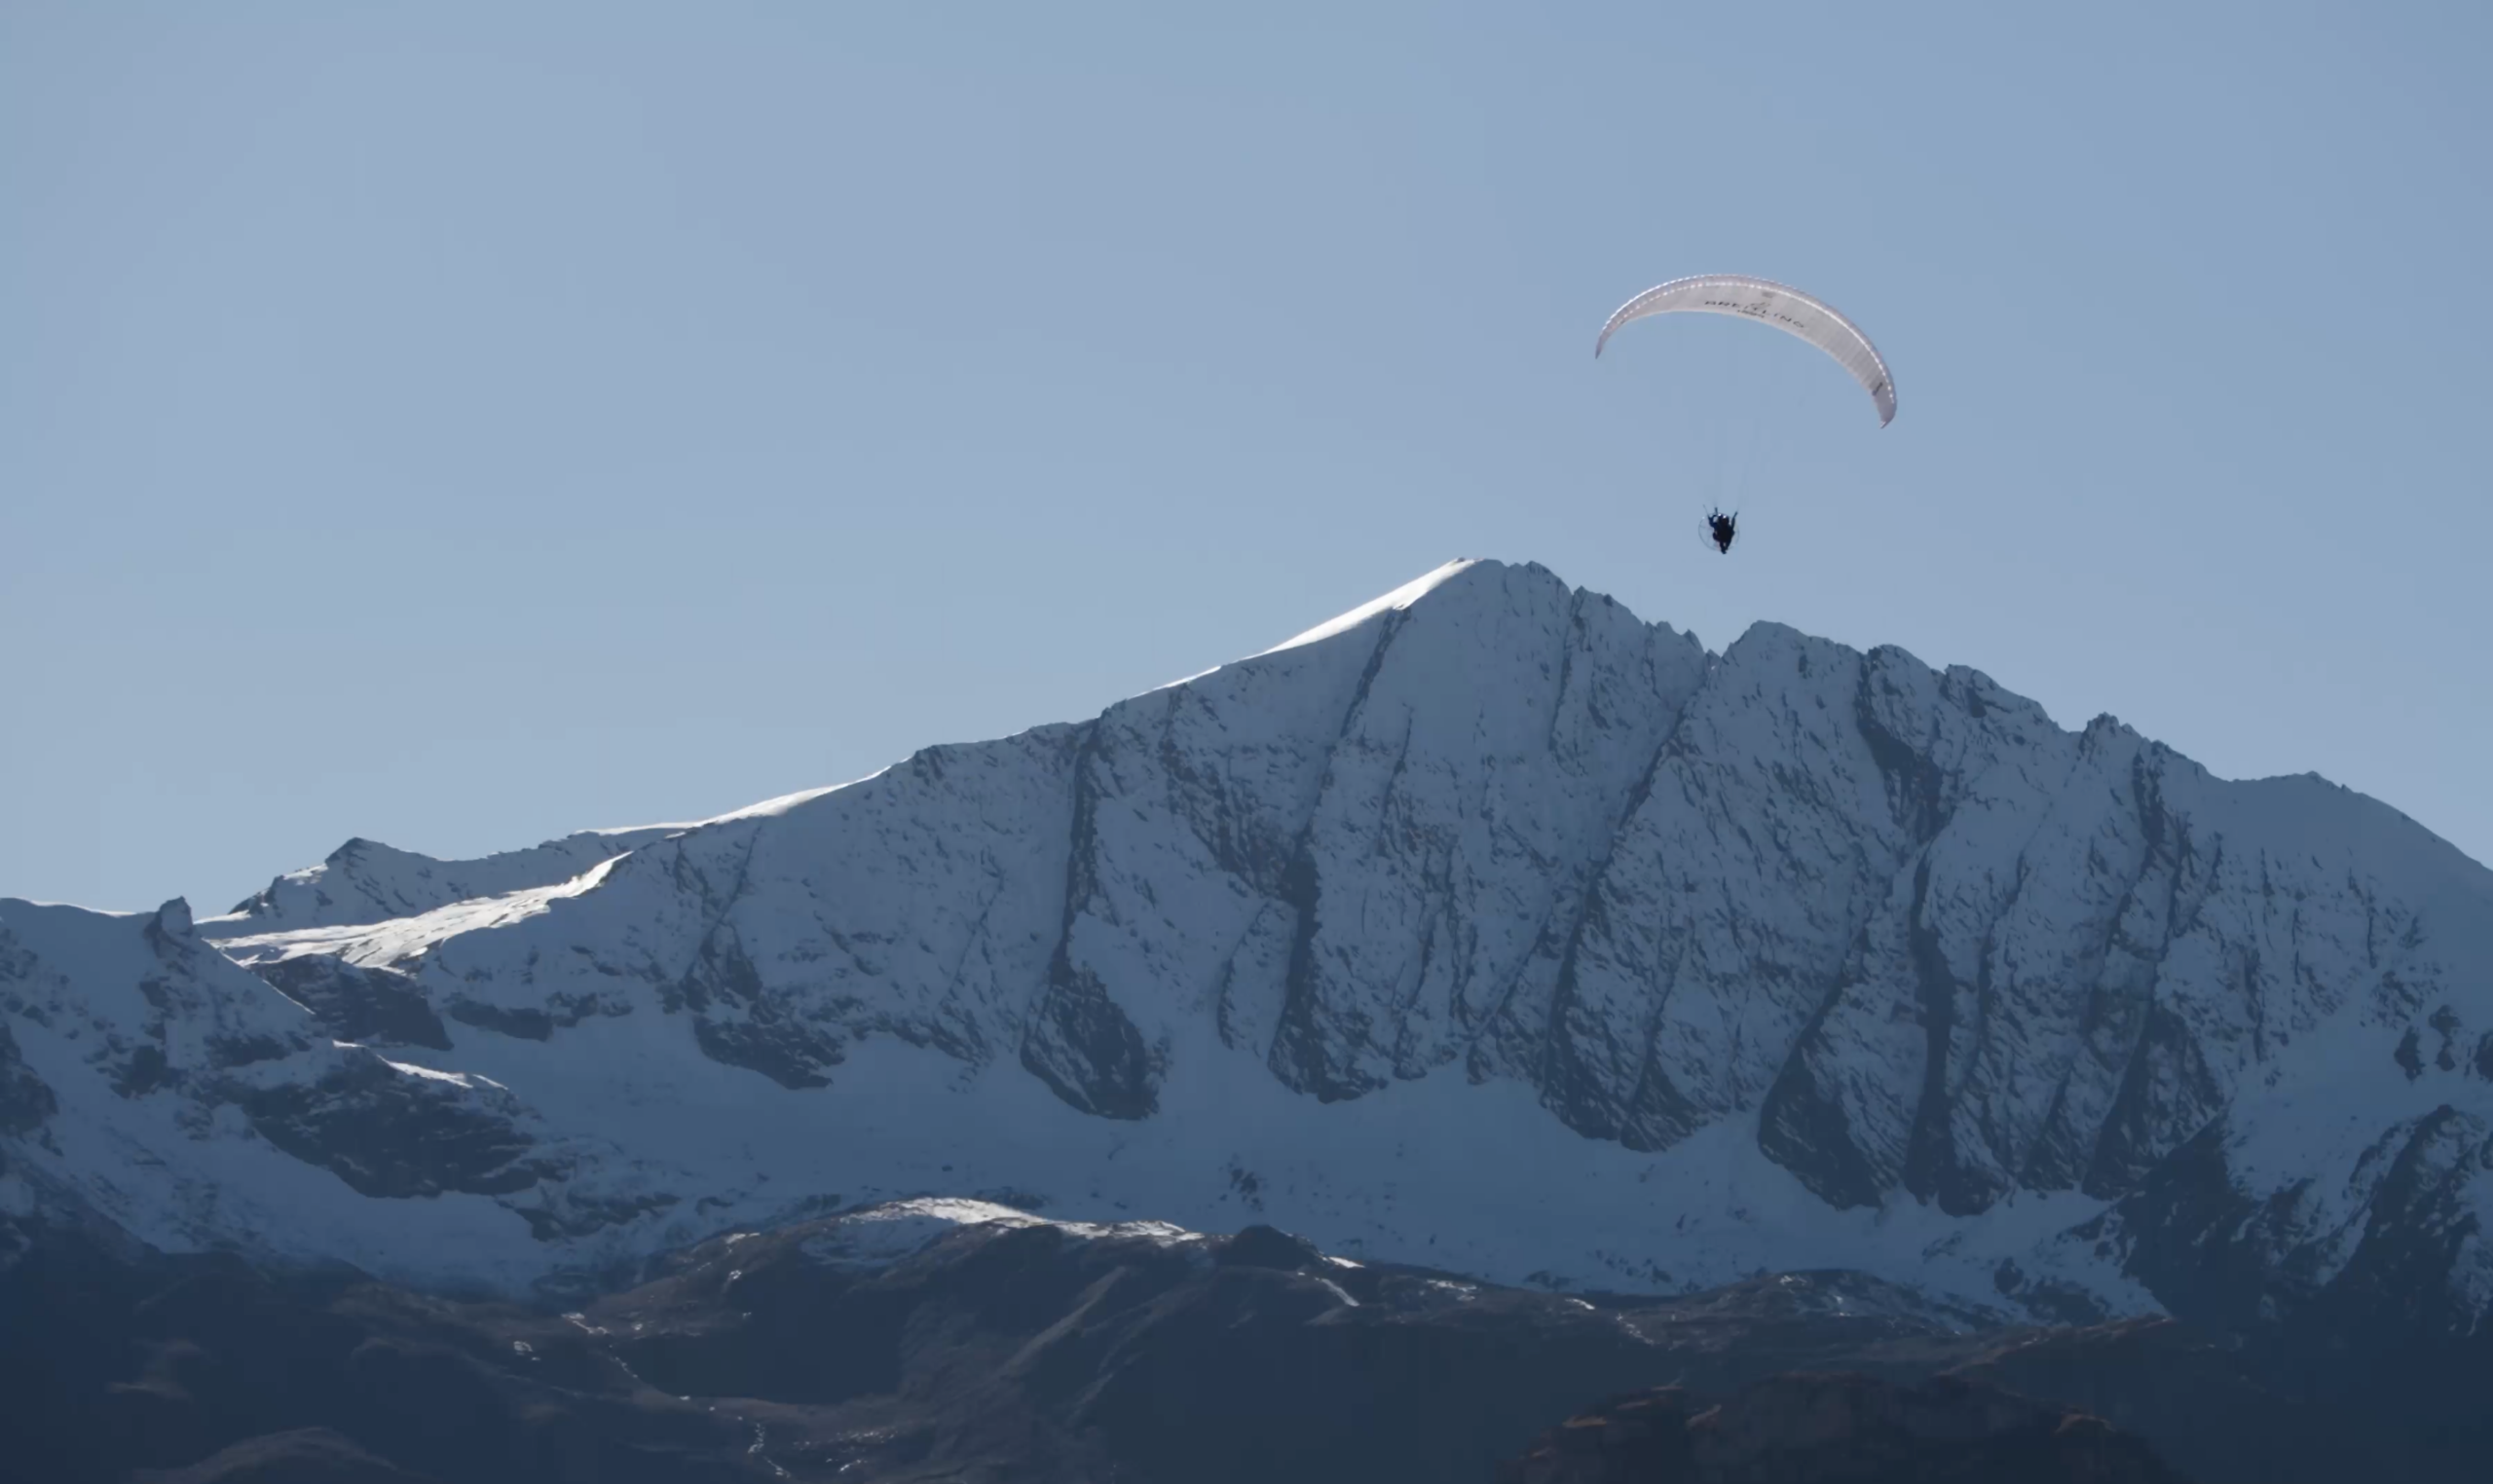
point(461, 424)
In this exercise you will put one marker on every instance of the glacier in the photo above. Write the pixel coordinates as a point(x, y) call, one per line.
point(1487, 926)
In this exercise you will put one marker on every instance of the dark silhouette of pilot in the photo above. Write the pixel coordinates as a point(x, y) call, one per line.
point(1724, 526)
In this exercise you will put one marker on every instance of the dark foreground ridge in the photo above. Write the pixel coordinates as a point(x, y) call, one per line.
point(1038, 1352)
point(1807, 1429)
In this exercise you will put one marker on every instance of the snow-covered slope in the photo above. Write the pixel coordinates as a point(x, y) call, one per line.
point(365, 882)
point(146, 1079)
point(1487, 926)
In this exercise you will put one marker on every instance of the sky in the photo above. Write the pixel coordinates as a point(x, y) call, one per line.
point(463, 424)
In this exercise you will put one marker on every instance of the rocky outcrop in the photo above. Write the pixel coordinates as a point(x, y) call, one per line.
point(374, 1007)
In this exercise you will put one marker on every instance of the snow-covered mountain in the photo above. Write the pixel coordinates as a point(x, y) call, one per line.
point(1486, 926)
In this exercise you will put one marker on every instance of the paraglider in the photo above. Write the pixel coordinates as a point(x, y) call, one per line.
point(1725, 527)
point(1786, 309)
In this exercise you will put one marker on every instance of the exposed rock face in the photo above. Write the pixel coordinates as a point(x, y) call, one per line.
point(372, 1007)
point(1837, 1430)
point(1808, 957)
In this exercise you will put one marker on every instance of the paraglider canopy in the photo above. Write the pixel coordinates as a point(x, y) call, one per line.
point(1781, 306)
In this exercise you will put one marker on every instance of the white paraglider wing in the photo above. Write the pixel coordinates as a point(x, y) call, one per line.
point(1785, 308)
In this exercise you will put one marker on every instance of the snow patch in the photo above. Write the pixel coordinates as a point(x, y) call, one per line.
point(882, 1235)
point(1401, 598)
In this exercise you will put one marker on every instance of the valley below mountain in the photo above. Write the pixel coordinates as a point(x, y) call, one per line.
point(949, 1340)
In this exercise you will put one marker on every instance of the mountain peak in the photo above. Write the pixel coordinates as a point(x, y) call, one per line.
point(1398, 599)
point(174, 918)
point(1801, 956)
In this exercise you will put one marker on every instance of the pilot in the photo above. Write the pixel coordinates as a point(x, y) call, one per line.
point(1724, 526)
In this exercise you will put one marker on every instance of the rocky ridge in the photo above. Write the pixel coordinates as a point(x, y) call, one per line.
point(366, 881)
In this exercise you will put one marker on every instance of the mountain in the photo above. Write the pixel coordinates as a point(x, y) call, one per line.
point(1487, 927)
point(941, 1339)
